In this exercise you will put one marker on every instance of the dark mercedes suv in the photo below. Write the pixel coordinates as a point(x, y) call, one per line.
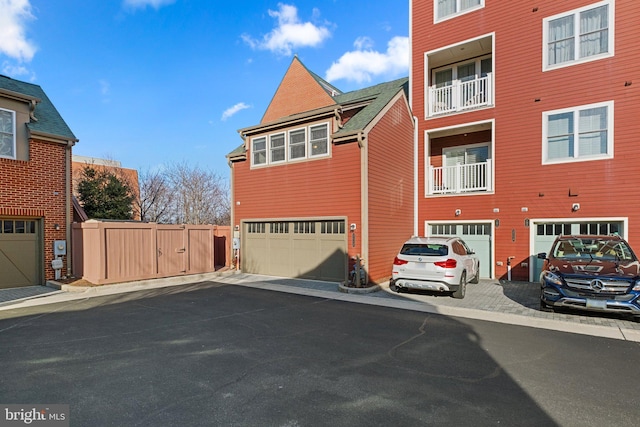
point(599, 273)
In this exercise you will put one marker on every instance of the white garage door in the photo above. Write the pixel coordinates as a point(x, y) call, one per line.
point(546, 233)
point(20, 253)
point(310, 249)
point(476, 235)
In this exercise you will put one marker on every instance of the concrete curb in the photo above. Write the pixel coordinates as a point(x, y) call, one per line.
point(352, 290)
point(68, 293)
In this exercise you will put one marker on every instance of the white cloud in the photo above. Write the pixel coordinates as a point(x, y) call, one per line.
point(12, 70)
point(290, 32)
point(361, 64)
point(13, 19)
point(229, 112)
point(141, 4)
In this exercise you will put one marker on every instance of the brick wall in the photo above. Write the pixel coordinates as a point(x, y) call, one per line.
point(37, 189)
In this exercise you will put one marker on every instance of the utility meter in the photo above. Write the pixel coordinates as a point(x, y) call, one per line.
point(59, 248)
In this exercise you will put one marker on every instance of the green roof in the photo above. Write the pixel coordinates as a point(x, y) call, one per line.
point(49, 120)
point(380, 95)
point(377, 96)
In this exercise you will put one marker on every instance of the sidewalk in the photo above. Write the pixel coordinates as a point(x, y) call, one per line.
point(513, 303)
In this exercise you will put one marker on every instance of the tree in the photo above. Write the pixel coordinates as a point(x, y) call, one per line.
point(103, 195)
point(184, 194)
point(200, 195)
point(156, 198)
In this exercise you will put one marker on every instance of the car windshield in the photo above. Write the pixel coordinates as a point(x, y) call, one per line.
point(424, 249)
point(590, 248)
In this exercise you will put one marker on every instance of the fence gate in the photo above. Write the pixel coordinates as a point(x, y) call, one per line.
point(171, 251)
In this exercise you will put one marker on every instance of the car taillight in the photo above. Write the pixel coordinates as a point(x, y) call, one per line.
point(450, 263)
point(398, 261)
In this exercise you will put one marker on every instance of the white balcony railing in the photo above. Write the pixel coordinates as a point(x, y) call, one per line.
point(473, 177)
point(461, 96)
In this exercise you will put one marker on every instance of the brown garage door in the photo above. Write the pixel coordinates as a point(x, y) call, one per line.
point(310, 249)
point(20, 253)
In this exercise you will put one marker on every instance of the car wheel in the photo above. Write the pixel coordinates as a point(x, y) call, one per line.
point(476, 278)
point(462, 288)
point(394, 287)
point(544, 306)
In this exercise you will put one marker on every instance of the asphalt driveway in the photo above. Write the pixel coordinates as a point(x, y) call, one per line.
point(219, 354)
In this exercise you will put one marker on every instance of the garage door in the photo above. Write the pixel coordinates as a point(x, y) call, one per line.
point(20, 253)
point(546, 233)
point(476, 235)
point(304, 249)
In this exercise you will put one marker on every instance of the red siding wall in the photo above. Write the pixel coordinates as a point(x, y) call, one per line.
point(390, 148)
point(37, 188)
point(308, 189)
point(523, 92)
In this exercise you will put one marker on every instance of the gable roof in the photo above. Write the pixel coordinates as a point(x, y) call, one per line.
point(48, 119)
point(299, 90)
point(371, 101)
point(377, 96)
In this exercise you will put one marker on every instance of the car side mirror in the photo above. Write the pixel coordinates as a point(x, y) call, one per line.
point(542, 255)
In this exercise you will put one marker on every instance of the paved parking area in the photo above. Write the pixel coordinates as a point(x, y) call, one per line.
point(488, 300)
point(490, 296)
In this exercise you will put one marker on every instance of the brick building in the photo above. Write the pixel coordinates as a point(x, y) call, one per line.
point(35, 196)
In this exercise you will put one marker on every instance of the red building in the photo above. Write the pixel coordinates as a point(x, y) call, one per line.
point(35, 196)
point(324, 177)
point(527, 115)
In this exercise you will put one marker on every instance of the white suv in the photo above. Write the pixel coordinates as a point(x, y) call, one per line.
point(437, 263)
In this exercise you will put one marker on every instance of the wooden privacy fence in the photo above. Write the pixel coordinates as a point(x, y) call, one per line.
point(109, 252)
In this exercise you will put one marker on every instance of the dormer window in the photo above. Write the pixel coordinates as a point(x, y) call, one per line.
point(291, 146)
point(7, 134)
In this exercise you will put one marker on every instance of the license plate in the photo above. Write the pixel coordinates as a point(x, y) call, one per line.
point(596, 303)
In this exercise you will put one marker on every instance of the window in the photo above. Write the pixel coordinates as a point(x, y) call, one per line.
point(318, 141)
point(304, 227)
point(449, 8)
point(276, 143)
point(7, 134)
point(294, 145)
point(298, 144)
point(9, 226)
point(583, 133)
point(279, 227)
point(259, 149)
point(332, 227)
point(443, 229)
point(581, 35)
point(256, 227)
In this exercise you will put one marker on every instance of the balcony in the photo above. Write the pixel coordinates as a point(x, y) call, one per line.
point(460, 179)
point(460, 96)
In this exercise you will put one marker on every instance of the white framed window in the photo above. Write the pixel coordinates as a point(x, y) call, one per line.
point(318, 140)
point(277, 149)
point(298, 144)
point(578, 134)
point(445, 9)
point(293, 145)
point(259, 151)
point(7, 134)
point(581, 35)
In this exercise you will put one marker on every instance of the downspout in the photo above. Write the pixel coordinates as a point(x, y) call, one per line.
point(364, 199)
point(415, 176)
point(233, 258)
point(68, 215)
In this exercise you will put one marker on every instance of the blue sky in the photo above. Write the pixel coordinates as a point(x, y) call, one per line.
point(151, 82)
